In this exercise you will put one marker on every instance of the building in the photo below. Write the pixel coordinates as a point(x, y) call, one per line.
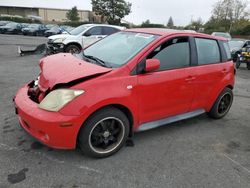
point(46, 14)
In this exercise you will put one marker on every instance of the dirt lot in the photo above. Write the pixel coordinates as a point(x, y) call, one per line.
point(198, 152)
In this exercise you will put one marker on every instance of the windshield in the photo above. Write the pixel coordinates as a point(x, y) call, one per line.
point(33, 26)
point(119, 48)
point(235, 44)
point(79, 30)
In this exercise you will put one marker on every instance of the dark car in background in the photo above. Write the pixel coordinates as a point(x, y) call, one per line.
point(11, 28)
point(2, 23)
point(34, 29)
point(53, 31)
point(66, 29)
point(236, 45)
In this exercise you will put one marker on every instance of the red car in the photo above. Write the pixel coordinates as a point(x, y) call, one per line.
point(131, 81)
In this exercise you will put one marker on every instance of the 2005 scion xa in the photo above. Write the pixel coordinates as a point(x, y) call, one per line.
point(131, 81)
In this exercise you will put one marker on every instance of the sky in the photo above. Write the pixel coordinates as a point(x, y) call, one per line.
point(157, 11)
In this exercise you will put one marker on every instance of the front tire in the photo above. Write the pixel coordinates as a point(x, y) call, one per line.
point(104, 133)
point(73, 49)
point(222, 104)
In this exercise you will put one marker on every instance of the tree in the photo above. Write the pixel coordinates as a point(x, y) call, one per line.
point(111, 10)
point(170, 23)
point(195, 24)
point(227, 13)
point(73, 15)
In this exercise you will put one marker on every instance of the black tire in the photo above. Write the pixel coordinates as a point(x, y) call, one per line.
point(222, 104)
point(248, 66)
point(99, 141)
point(73, 49)
point(237, 64)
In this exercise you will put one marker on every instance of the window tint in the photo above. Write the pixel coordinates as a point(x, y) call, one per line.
point(227, 50)
point(174, 53)
point(208, 51)
point(96, 31)
point(109, 30)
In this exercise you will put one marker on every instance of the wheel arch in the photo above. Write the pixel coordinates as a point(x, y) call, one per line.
point(120, 107)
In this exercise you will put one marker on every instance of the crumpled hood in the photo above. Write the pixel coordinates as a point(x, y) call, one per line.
point(64, 68)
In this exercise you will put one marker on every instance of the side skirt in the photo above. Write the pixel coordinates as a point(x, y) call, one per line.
point(159, 123)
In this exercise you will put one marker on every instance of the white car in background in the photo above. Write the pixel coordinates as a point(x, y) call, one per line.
point(222, 34)
point(80, 37)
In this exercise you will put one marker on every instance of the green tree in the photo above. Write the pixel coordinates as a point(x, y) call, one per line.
point(170, 23)
point(227, 15)
point(195, 25)
point(111, 10)
point(73, 15)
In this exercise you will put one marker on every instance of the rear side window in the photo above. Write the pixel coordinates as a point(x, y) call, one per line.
point(208, 51)
point(227, 50)
point(109, 30)
point(174, 53)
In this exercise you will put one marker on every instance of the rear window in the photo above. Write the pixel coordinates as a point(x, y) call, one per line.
point(227, 50)
point(208, 51)
point(109, 30)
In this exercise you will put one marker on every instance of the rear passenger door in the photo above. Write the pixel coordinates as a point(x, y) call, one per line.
point(210, 71)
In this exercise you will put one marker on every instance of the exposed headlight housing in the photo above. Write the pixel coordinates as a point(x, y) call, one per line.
point(59, 40)
point(57, 99)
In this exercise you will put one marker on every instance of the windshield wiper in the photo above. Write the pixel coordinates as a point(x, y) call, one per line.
point(97, 60)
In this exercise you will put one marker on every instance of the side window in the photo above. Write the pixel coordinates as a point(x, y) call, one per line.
point(208, 51)
point(227, 50)
point(174, 53)
point(109, 30)
point(96, 31)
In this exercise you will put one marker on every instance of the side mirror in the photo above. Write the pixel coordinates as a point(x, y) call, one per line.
point(152, 65)
point(87, 34)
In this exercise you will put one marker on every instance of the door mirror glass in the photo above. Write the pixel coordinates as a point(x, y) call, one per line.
point(152, 65)
point(87, 34)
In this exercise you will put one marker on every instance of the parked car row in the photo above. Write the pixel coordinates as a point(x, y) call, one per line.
point(7, 27)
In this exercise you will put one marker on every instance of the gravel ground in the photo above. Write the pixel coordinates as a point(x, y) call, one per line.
point(198, 152)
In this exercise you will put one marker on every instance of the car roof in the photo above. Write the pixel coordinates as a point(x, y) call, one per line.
point(166, 32)
point(107, 25)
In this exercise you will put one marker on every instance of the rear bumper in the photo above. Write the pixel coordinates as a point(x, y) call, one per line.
point(51, 128)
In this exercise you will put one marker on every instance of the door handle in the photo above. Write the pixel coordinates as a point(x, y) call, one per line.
point(224, 71)
point(190, 78)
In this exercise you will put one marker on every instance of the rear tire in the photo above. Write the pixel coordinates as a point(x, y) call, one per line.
point(248, 66)
point(104, 133)
point(237, 63)
point(222, 104)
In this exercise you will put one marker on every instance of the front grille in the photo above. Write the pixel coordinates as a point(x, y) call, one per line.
point(34, 93)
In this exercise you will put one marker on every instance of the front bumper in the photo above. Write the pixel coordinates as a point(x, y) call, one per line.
point(53, 48)
point(51, 128)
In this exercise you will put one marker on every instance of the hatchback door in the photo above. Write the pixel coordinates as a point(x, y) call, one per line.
point(210, 71)
point(168, 91)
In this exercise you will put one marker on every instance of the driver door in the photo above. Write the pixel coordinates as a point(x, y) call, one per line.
point(168, 91)
point(92, 35)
